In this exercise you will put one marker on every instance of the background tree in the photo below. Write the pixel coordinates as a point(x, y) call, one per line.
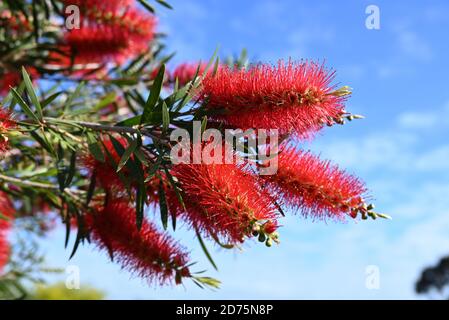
point(58, 291)
point(85, 133)
point(434, 281)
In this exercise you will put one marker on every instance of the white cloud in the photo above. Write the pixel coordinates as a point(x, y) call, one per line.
point(428, 119)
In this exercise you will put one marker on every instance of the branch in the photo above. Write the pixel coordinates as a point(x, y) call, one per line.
point(28, 183)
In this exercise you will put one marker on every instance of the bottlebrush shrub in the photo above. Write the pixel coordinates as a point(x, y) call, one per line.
point(86, 129)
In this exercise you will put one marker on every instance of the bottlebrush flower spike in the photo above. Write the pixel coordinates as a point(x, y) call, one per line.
point(6, 123)
point(112, 37)
point(222, 200)
point(318, 188)
point(185, 72)
point(148, 253)
point(291, 97)
point(7, 80)
point(7, 211)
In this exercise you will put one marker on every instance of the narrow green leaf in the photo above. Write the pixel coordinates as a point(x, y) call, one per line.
point(217, 64)
point(72, 169)
point(127, 154)
point(206, 252)
point(203, 124)
point(68, 228)
point(24, 105)
point(133, 121)
point(79, 235)
point(211, 282)
point(154, 95)
point(91, 189)
point(50, 99)
point(165, 4)
point(147, 6)
point(165, 117)
point(94, 148)
point(163, 205)
point(140, 205)
point(32, 93)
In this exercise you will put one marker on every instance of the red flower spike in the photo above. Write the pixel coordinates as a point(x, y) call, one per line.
point(221, 200)
point(7, 80)
point(112, 37)
point(147, 253)
point(291, 97)
point(316, 187)
point(7, 211)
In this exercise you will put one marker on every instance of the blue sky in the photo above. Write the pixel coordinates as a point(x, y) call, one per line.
point(399, 77)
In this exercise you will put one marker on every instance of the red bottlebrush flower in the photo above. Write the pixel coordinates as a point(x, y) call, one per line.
point(186, 72)
point(7, 80)
point(291, 97)
point(112, 37)
point(7, 212)
point(6, 123)
point(147, 253)
point(316, 187)
point(222, 200)
point(13, 78)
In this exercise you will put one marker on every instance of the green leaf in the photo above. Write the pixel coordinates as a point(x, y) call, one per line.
point(79, 235)
point(175, 187)
point(50, 99)
point(72, 169)
point(211, 282)
point(165, 117)
point(217, 64)
point(68, 228)
point(32, 93)
point(147, 6)
point(24, 105)
point(91, 189)
point(133, 121)
point(94, 148)
point(74, 95)
point(141, 156)
point(203, 246)
point(165, 4)
point(140, 205)
point(203, 124)
point(127, 154)
point(106, 100)
point(163, 205)
point(43, 141)
point(154, 95)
